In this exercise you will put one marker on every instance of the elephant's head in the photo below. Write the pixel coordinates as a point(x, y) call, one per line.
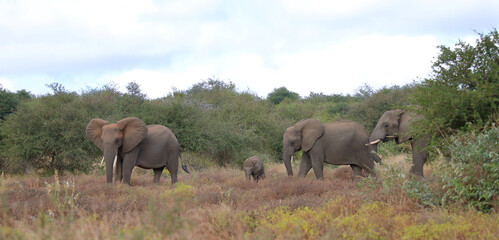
point(248, 171)
point(393, 124)
point(301, 136)
point(125, 134)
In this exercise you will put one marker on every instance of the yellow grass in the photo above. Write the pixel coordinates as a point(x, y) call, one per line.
point(219, 203)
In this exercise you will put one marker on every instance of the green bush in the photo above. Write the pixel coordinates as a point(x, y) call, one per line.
point(463, 87)
point(280, 94)
point(391, 148)
point(47, 133)
point(471, 177)
point(368, 112)
point(9, 101)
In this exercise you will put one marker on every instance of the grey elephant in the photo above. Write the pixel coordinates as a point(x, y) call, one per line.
point(253, 167)
point(339, 143)
point(134, 143)
point(396, 125)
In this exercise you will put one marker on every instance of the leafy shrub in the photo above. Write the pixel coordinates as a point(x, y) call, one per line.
point(9, 101)
point(463, 87)
point(420, 190)
point(391, 148)
point(47, 133)
point(471, 177)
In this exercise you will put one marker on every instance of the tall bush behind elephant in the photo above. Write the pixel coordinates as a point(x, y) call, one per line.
point(368, 111)
point(214, 119)
point(133, 143)
point(339, 143)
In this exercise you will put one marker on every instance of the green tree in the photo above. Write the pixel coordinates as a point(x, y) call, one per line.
point(463, 87)
point(134, 90)
point(9, 101)
point(279, 94)
point(47, 133)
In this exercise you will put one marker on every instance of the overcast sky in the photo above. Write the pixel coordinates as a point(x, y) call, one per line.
point(306, 46)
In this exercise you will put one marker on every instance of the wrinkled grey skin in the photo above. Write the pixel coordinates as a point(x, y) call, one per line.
point(253, 167)
point(339, 143)
point(395, 125)
point(133, 143)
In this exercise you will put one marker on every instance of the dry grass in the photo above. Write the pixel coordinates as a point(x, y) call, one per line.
point(219, 203)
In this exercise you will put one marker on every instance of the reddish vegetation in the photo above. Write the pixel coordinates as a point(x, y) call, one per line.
point(211, 204)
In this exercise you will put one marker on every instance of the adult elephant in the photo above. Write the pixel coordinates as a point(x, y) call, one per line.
point(339, 143)
point(396, 125)
point(134, 143)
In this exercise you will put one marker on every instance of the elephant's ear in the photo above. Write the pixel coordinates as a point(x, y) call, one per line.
point(94, 132)
point(404, 124)
point(311, 131)
point(134, 131)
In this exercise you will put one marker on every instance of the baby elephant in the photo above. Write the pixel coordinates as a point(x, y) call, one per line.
point(253, 166)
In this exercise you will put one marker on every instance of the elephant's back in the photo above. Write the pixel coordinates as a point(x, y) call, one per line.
point(160, 132)
point(345, 143)
point(252, 161)
point(348, 128)
point(156, 148)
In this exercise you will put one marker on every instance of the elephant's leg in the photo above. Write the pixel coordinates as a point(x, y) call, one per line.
point(318, 165)
point(172, 165)
point(129, 161)
point(357, 172)
point(173, 176)
point(419, 155)
point(157, 174)
point(305, 165)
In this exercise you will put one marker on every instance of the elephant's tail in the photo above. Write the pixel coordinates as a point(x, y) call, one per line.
point(183, 164)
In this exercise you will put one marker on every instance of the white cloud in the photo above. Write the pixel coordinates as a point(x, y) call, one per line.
point(6, 84)
point(327, 8)
point(376, 60)
point(319, 46)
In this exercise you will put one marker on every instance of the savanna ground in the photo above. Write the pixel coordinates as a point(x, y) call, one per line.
point(219, 203)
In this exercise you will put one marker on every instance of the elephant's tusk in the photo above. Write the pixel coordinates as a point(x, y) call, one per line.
point(375, 141)
point(115, 160)
point(292, 159)
point(102, 161)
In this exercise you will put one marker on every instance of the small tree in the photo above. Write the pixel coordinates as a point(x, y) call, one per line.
point(133, 89)
point(464, 85)
point(279, 94)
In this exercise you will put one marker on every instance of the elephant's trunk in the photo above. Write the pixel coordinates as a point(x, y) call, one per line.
point(110, 156)
point(248, 172)
point(287, 161)
point(378, 134)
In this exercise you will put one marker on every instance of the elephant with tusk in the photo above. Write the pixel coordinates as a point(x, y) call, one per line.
point(339, 143)
point(395, 125)
point(130, 142)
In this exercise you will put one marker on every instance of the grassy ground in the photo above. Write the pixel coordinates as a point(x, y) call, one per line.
point(218, 203)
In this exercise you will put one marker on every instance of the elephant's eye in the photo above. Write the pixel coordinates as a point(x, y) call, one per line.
point(292, 142)
point(117, 140)
point(386, 125)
